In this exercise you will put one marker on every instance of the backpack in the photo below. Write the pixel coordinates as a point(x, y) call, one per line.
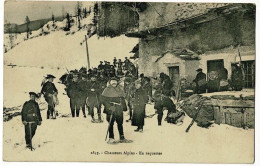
point(175, 117)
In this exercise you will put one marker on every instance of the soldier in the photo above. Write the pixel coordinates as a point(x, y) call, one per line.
point(236, 77)
point(101, 66)
point(128, 89)
point(93, 98)
point(200, 82)
point(74, 93)
point(31, 117)
point(138, 100)
point(167, 84)
point(119, 64)
point(83, 94)
point(50, 94)
point(114, 61)
point(114, 102)
point(163, 102)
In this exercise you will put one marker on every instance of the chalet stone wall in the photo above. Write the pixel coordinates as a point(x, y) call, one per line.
point(211, 36)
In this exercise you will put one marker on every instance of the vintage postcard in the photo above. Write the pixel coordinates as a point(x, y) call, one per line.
point(129, 82)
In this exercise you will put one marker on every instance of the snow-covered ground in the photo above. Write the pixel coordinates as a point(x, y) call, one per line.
point(73, 139)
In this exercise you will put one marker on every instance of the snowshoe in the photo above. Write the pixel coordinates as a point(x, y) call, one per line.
point(124, 141)
point(100, 121)
point(112, 141)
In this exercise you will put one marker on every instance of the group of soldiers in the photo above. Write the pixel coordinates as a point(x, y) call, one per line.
point(117, 87)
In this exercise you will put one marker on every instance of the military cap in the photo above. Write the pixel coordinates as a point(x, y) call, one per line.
point(114, 78)
point(33, 93)
point(199, 69)
point(50, 76)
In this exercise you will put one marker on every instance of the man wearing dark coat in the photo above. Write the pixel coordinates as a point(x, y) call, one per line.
point(129, 89)
point(138, 99)
point(74, 92)
point(114, 102)
point(200, 82)
point(93, 99)
point(50, 93)
point(163, 102)
point(237, 77)
point(31, 117)
point(101, 66)
point(166, 84)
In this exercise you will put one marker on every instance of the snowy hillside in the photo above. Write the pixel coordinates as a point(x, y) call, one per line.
point(67, 49)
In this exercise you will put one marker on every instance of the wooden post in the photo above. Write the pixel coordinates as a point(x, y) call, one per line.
point(88, 63)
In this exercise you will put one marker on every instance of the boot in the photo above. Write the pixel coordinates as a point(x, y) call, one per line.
point(99, 118)
point(136, 130)
point(93, 120)
point(48, 114)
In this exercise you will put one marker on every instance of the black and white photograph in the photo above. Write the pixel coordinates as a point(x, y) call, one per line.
point(132, 82)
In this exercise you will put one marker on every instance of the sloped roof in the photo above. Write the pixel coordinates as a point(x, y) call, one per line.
point(184, 54)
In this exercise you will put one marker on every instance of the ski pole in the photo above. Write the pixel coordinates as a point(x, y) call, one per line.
point(114, 104)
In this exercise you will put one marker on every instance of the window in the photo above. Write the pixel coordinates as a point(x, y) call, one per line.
point(249, 69)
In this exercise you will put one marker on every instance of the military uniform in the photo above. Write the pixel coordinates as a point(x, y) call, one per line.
point(161, 103)
point(139, 100)
point(236, 78)
point(129, 89)
point(93, 99)
point(83, 95)
point(48, 90)
point(200, 82)
point(114, 95)
point(30, 113)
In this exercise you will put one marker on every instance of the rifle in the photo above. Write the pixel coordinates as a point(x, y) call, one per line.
point(194, 118)
point(242, 67)
point(114, 108)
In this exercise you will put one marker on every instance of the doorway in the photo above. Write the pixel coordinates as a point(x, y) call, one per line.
point(174, 74)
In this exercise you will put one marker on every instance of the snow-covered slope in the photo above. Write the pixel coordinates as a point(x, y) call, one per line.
point(60, 50)
point(68, 49)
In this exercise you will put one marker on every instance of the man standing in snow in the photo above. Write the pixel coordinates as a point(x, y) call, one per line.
point(74, 93)
point(93, 98)
point(138, 99)
point(31, 117)
point(114, 102)
point(50, 94)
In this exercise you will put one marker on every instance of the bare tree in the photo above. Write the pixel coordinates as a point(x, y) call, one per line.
point(27, 21)
point(79, 12)
point(53, 19)
point(11, 37)
point(15, 30)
